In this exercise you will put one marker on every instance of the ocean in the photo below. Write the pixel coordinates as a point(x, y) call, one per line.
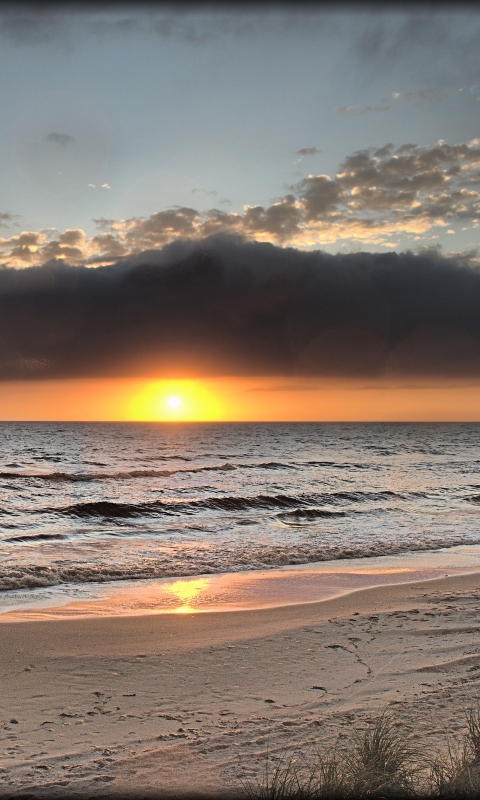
point(89, 503)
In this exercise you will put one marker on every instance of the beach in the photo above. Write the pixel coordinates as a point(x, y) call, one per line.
point(188, 704)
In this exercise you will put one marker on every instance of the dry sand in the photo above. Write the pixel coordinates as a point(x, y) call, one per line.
point(189, 703)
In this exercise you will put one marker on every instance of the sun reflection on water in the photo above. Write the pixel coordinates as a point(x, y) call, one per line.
point(187, 592)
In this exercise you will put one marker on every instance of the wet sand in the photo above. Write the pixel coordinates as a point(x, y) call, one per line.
point(188, 703)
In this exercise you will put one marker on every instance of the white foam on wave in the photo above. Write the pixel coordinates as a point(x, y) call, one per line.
point(245, 590)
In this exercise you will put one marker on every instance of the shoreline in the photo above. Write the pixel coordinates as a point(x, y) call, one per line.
point(115, 704)
point(247, 590)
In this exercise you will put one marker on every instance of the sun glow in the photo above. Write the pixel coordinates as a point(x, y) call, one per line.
point(174, 402)
point(239, 399)
point(170, 400)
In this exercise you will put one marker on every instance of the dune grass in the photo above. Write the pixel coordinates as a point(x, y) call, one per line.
point(381, 761)
point(457, 774)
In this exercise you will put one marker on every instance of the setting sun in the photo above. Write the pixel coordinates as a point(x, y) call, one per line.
point(174, 402)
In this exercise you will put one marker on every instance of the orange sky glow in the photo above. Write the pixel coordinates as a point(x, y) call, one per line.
point(239, 399)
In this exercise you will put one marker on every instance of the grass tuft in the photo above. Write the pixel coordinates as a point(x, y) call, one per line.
point(328, 778)
point(457, 775)
point(279, 781)
point(382, 761)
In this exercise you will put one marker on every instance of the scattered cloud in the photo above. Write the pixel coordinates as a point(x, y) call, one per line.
point(61, 139)
point(386, 103)
point(407, 97)
point(106, 186)
point(305, 152)
point(225, 305)
point(26, 24)
point(212, 193)
point(438, 45)
point(376, 195)
point(358, 111)
point(7, 219)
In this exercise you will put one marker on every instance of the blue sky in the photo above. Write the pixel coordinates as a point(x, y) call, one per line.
point(122, 113)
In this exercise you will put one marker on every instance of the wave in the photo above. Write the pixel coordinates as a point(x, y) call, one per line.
point(475, 498)
point(267, 465)
point(336, 464)
point(84, 477)
point(35, 537)
point(300, 515)
point(111, 510)
point(209, 561)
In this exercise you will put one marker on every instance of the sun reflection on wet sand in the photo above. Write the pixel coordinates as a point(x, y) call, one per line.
point(187, 592)
point(249, 590)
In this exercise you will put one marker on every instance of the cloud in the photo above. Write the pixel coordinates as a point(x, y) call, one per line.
point(358, 111)
point(376, 195)
point(437, 44)
point(408, 97)
point(6, 219)
point(434, 43)
point(225, 306)
point(386, 104)
point(305, 152)
point(106, 186)
point(212, 193)
point(25, 25)
point(61, 139)
point(29, 24)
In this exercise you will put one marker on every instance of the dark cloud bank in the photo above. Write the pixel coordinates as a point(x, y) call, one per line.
point(226, 306)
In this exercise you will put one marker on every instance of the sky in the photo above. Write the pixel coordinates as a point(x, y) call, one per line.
point(275, 206)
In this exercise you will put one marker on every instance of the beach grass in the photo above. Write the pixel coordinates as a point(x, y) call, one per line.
point(381, 761)
point(457, 773)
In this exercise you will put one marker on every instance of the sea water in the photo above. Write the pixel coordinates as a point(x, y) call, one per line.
point(84, 504)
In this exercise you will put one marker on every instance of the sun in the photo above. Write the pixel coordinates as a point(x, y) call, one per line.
point(174, 402)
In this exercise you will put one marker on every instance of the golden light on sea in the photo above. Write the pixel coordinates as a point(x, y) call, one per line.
point(186, 592)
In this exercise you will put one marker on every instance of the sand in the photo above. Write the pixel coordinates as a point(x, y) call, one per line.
point(188, 704)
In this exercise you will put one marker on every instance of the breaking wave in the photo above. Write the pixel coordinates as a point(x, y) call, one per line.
point(474, 499)
point(84, 477)
point(117, 510)
point(301, 515)
point(209, 561)
point(101, 502)
point(125, 475)
point(36, 537)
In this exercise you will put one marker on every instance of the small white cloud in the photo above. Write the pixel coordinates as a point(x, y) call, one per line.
point(91, 186)
point(213, 193)
point(347, 110)
point(450, 231)
point(106, 186)
point(420, 94)
point(363, 110)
